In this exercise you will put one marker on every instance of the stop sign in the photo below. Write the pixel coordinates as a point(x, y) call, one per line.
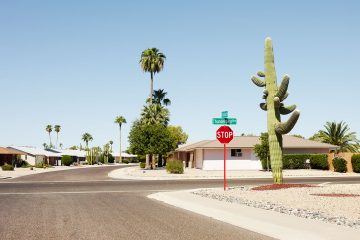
point(224, 134)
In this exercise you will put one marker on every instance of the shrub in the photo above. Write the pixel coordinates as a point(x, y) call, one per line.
point(125, 161)
point(295, 161)
point(39, 165)
point(175, 167)
point(319, 161)
point(7, 167)
point(66, 160)
point(111, 158)
point(339, 164)
point(142, 165)
point(355, 162)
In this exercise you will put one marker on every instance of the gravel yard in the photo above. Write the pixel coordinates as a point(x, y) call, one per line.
point(341, 206)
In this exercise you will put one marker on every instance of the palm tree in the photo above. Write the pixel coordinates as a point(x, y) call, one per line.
point(152, 61)
point(339, 134)
point(86, 137)
point(120, 120)
point(49, 130)
point(45, 145)
point(159, 97)
point(111, 143)
point(155, 114)
point(57, 129)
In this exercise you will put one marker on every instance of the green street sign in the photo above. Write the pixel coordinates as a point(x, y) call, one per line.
point(224, 121)
point(224, 114)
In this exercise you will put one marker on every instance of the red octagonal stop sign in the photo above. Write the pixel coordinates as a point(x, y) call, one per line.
point(224, 134)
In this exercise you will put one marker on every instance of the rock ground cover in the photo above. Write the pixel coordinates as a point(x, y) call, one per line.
point(305, 202)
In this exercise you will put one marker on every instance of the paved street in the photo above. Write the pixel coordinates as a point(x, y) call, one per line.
point(86, 204)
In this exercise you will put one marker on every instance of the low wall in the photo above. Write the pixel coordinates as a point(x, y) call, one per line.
point(346, 156)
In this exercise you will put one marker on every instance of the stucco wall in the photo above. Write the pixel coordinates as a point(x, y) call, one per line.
point(214, 160)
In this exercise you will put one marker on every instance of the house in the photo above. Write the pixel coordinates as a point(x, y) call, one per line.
point(35, 155)
point(76, 155)
point(209, 155)
point(9, 156)
point(124, 156)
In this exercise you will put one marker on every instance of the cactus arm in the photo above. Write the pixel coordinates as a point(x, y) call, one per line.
point(286, 110)
point(261, 74)
point(285, 96)
point(277, 102)
point(285, 127)
point(258, 82)
point(263, 106)
point(265, 93)
point(283, 87)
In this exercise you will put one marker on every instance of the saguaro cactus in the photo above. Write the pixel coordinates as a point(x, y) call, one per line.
point(274, 96)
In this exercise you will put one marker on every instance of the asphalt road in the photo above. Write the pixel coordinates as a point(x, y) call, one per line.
point(86, 204)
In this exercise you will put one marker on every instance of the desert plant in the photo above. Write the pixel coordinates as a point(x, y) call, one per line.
point(175, 167)
point(355, 162)
point(66, 160)
point(339, 165)
point(319, 161)
point(274, 96)
point(7, 167)
point(86, 137)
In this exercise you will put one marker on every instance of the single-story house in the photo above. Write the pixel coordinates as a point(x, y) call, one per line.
point(9, 156)
point(209, 154)
point(35, 155)
point(124, 156)
point(76, 155)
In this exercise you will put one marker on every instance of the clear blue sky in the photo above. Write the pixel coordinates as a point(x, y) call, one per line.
point(75, 63)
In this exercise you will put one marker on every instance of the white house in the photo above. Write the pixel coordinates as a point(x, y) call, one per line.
point(209, 155)
point(77, 155)
point(35, 155)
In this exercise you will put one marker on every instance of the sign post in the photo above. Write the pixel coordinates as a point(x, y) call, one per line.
point(224, 135)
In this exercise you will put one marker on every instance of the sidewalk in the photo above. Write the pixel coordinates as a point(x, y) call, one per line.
point(19, 172)
point(273, 224)
point(136, 173)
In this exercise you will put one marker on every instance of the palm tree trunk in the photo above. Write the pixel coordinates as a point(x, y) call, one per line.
point(50, 140)
point(147, 163)
point(120, 158)
point(57, 138)
point(151, 87)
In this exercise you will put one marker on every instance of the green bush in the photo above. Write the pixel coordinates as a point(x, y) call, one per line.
point(175, 167)
point(66, 160)
point(355, 162)
point(111, 158)
point(339, 165)
point(319, 161)
point(125, 161)
point(7, 167)
point(39, 165)
point(142, 165)
point(295, 161)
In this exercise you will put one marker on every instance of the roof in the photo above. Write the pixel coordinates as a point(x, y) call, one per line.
point(34, 151)
point(4, 150)
point(251, 141)
point(124, 154)
point(69, 152)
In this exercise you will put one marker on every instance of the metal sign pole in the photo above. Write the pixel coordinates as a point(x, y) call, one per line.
point(225, 185)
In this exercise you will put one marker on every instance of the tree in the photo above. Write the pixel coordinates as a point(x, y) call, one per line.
point(57, 129)
point(45, 145)
point(111, 144)
point(120, 120)
point(159, 97)
point(152, 61)
point(74, 147)
point(86, 137)
point(148, 139)
point(298, 136)
point(316, 137)
point(61, 146)
point(339, 134)
point(178, 135)
point(155, 114)
point(49, 130)
point(262, 151)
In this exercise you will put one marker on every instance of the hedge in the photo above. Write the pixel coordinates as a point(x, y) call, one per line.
point(298, 161)
point(339, 165)
point(355, 162)
point(66, 160)
point(319, 161)
point(7, 167)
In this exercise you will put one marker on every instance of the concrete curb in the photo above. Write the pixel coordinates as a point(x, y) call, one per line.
point(273, 224)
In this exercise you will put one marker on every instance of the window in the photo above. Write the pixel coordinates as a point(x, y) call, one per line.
point(236, 152)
